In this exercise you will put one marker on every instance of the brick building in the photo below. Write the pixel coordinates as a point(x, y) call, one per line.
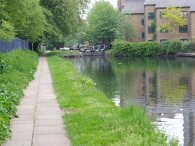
point(145, 12)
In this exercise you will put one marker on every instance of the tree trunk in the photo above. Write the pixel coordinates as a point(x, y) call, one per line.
point(36, 46)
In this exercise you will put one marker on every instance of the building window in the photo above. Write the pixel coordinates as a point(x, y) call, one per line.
point(143, 35)
point(150, 29)
point(150, 40)
point(164, 30)
point(142, 22)
point(184, 14)
point(151, 15)
point(184, 40)
point(162, 13)
point(183, 29)
point(163, 40)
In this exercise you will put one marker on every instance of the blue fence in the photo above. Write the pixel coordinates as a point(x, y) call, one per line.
point(6, 46)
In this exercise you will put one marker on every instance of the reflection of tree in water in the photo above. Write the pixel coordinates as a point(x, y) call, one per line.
point(157, 78)
point(173, 90)
point(100, 70)
point(167, 85)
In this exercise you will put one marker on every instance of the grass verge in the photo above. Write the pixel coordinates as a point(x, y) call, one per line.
point(16, 70)
point(92, 119)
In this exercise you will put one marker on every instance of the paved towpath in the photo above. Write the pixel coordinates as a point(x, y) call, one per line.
point(39, 121)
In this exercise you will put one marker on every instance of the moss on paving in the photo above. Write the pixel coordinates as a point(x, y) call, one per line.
point(92, 119)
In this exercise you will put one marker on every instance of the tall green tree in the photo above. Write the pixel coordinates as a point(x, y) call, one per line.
point(7, 30)
point(22, 18)
point(102, 22)
point(125, 29)
point(63, 17)
point(40, 20)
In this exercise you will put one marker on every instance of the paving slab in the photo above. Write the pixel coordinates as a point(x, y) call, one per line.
point(39, 118)
point(55, 139)
point(48, 130)
point(48, 123)
point(18, 143)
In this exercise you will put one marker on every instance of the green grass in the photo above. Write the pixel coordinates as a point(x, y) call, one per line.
point(92, 119)
point(16, 70)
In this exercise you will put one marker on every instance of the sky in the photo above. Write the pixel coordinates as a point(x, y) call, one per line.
point(113, 2)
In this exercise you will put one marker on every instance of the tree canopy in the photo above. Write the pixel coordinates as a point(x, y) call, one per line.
point(174, 19)
point(22, 18)
point(40, 20)
point(125, 29)
point(63, 17)
point(7, 30)
point(102, 22)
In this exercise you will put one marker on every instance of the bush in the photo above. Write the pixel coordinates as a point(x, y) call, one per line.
point(143, 49)
point(171, 47)
point(150, 49)
point(16, 70)
point(3, 64)
point(188, 46)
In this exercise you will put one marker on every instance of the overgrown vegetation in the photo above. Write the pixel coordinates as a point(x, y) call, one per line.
point(154, 28)
point(16, 70)
point(151, 49)
point(92, 119)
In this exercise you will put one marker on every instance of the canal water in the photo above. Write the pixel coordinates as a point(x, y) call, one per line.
point(164, 88)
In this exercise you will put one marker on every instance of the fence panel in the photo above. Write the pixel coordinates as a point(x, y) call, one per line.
point(6, 46)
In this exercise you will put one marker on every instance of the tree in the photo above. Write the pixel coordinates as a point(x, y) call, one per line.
point(36, 24)
point(125, 29)
point(7, 31)
point(102, 23)
point(22, 18)
point(40, 20)
point(63, 17)
point(173, 18)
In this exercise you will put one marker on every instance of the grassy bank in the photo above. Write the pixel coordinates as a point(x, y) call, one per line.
point(16, 70)
point(92, 119)
point(151, 49)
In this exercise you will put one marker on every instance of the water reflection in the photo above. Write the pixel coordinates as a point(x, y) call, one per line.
point(164, 88)
point(172, 126)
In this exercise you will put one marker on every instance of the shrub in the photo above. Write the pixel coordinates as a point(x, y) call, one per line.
point(16, 70)
point(188, 46)
point(171, 47)
point(150, 49)
point(3, 64)
point(143, 49)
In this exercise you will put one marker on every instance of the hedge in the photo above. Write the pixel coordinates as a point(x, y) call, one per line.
point(150, 49)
